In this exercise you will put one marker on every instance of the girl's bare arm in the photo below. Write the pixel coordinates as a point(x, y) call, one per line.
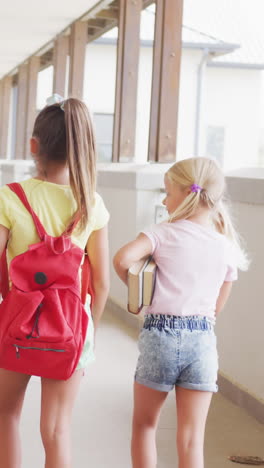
point(223, 296)
point(130, 253)
point(98, 252)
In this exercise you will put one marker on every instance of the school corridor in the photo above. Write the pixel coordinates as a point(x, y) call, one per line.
point(102, 416)
point(97, 50)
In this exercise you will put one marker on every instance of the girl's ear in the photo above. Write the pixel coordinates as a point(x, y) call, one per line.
point(34, 146)
point(188, 190)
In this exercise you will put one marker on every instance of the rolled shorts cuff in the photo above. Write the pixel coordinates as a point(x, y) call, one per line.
point(154, 385)
point(210, 387)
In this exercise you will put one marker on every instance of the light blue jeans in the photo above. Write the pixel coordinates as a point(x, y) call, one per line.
point(177, 351)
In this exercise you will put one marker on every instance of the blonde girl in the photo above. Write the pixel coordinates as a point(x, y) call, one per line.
point(63, 147)
point(197, 253)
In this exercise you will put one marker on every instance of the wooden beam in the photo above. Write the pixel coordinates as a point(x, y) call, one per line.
point(108, 14)
point(32, 80)
point(165, 80)
point(46, 59)
point(156, 81)
point(126, 80)
point(21, 111)
point(5, 94)
point(15, 79)
point(78, 41)
point(97, 23)
point(1, 99)
point(60, 53)
point(115, 4)
point(92, 33)
point(2, 152)
point(147, 3)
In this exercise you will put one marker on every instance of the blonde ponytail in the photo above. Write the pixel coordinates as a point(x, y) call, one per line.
point(223, 223)
point(205, 174)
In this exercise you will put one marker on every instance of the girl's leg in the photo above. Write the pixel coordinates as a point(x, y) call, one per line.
point(57, 399)
point(147, 406)
point(192, 410)
point(12, 391)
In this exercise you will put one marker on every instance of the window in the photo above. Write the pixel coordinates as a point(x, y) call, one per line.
point(215, 138)
point(103, 124)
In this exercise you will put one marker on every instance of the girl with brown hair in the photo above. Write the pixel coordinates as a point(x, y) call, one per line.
point(63, 147)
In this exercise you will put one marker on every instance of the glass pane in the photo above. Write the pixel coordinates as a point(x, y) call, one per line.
point(104, 152)
point(215, 143)
point(103, 127)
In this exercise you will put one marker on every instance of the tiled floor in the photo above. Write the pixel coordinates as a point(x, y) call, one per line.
point(101, 425)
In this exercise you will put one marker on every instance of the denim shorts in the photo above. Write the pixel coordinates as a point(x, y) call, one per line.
point(177, 351)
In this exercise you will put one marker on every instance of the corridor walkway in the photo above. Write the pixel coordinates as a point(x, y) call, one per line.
point(101, 426)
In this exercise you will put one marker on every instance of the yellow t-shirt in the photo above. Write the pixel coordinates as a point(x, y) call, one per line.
point(54, 204)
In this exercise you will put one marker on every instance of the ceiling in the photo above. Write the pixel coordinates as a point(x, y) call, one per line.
point(26, 26)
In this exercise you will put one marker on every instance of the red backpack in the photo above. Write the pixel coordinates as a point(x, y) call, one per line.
point(43, 322)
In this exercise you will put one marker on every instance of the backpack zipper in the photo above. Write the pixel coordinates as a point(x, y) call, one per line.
point(18, 347)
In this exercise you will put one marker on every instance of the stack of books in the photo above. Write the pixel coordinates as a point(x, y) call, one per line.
point(141, 284)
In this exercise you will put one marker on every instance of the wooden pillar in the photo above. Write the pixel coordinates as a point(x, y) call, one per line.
point(126, 80)
point(165, 80)
point(32, 80)
point(78, 41)
point(61, 50)
point(5, 94)
point(21, 111)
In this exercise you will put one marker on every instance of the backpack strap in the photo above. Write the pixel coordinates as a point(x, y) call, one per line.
point(4, 282)
point(86, 280)
point(18, 190)
point(4, 278)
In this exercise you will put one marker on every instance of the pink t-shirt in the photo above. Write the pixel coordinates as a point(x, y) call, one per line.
point(193, 262)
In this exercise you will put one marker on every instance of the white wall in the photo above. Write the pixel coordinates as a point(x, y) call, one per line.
point(240, 326)
point(99, 88)
point(44, 86)
point(187, 105)
point(99, 93)
point(143, 104)
point(232, 99)
point(99, 77)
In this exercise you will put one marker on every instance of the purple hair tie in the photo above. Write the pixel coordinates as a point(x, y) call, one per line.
point(195, 188)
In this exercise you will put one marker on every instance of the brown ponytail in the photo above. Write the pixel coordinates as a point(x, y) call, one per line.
point(81, 156)
point(66, 136)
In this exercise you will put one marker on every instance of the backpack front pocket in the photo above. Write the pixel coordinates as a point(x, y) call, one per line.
point(28, 357)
